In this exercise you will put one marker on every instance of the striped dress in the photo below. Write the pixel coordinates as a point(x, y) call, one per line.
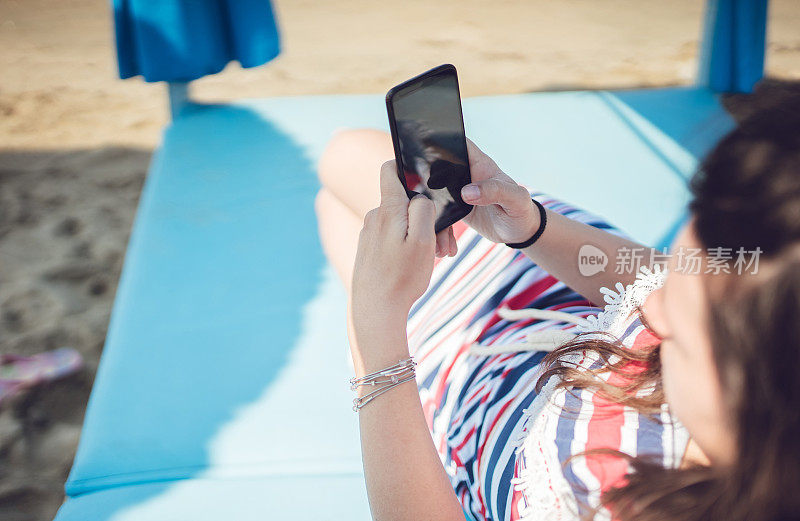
point(505, 446)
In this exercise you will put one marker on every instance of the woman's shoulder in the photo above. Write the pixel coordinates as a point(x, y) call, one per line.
point(553, 478)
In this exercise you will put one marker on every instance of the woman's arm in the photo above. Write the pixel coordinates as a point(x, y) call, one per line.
point(393, 267)
point(558, 252)
point(404, 475)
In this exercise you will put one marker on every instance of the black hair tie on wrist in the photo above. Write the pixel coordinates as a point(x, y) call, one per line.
point(535, 237)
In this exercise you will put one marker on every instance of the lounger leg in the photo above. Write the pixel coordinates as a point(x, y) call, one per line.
point(178, 97)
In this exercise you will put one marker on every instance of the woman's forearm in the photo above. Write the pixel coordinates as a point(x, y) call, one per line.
point(404, 475)
point(558, 252)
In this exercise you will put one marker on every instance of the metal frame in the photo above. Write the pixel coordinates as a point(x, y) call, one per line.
point(179, 97)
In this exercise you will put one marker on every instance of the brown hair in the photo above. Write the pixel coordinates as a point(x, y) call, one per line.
point(745, 194)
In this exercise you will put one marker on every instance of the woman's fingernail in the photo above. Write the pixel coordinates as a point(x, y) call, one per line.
point(470, 192)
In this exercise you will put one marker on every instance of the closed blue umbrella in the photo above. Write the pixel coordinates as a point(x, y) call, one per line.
point(183, 40)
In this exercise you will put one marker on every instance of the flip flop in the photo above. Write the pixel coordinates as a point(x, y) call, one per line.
point(18, 373)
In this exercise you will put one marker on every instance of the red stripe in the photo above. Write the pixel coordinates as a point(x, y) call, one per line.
point(606, 431)
point(466, 439)
point(517, 496)
point(518, 300)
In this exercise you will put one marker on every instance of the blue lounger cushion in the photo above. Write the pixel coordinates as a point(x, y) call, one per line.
point(222, 390)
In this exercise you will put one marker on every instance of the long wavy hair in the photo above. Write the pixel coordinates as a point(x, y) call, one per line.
point(746, 193)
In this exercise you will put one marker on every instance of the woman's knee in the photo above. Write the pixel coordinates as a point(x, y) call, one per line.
point(348, 146)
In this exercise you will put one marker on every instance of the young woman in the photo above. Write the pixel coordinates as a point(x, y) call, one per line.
point(679, 399)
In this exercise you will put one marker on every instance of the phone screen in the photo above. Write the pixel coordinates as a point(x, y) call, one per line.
point(429, 132)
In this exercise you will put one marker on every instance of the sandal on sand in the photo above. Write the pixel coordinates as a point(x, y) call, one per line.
point(22, 372)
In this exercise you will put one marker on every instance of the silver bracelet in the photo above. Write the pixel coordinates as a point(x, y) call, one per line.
point(358, 403)
point(389, 372)
point(392, 376)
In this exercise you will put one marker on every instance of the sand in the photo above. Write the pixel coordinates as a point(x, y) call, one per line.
point(75, 143)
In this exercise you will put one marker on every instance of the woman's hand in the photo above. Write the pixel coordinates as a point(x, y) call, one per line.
point(393, 265)
point(503, 210)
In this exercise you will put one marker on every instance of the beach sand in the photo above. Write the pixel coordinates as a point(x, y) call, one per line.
point(75, 143)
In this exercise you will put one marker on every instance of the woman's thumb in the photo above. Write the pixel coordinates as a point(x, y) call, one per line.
point(514, 198)
point(489, 191)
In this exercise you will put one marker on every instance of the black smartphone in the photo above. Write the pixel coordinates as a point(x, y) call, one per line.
point(430, 145)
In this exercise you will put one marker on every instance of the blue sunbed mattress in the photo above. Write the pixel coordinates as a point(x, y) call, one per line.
point(222, 391)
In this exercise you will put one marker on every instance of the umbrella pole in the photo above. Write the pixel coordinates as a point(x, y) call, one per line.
point(179, 97)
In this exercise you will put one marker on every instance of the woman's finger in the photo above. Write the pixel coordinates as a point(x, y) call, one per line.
point(393, 194)
point(446, 242)
point(453, 242)
point(442, 243)
point(421, 218)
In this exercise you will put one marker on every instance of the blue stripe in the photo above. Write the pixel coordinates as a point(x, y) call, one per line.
point(558, 296)
point(492, 303)
point(631, 328)
point(427, 382)
point(468, 385)
point(523, 370)
point(649, 436)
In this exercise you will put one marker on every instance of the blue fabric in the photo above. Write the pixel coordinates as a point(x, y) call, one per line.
point(182, 40)
point(222, 390)
point(734, 40)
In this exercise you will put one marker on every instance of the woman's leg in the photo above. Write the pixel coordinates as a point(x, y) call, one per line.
point(338, 230)
point(350, 167)
point(349, 172)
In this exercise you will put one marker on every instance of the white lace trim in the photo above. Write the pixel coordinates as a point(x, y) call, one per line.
point(548, 495)
point(621, 303)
